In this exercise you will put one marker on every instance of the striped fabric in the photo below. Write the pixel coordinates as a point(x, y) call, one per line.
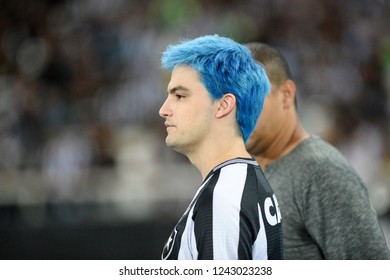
point(234, 215)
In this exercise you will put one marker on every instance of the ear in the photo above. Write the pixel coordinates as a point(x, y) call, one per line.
point(289, 90)
point(225, 105)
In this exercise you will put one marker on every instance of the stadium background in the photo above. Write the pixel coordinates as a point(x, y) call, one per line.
point(84, 171)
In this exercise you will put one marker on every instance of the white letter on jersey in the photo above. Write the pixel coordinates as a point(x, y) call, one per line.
point(275, 218)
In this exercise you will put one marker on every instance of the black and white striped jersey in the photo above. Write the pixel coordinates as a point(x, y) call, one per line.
point(233, 215)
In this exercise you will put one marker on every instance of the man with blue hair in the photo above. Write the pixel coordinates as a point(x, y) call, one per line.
point(215, 97)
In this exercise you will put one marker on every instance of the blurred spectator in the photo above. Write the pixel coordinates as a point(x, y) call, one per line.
point(74, 74)
point(65, 159)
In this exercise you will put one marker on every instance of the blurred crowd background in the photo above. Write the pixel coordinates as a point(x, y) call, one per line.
point(84, 171)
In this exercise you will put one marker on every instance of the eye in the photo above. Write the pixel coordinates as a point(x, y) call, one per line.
point(179, 96)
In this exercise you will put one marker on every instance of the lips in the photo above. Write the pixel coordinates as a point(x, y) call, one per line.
point(168, 125)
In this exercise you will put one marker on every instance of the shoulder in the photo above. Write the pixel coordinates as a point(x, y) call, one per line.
point(331, 181)
point(319, 158)
point(232, 183)
point(319, 169)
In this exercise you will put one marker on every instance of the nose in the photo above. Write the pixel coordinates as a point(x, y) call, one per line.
point(164, 110)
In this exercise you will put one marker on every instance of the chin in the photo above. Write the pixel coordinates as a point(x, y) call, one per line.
point(171, 144)
point(249, 145)
point(178, 147)
point(252, 147)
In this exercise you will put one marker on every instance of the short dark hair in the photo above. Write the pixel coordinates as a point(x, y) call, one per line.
point(274, 62)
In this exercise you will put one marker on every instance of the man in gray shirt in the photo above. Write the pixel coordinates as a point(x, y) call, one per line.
point(324, 204)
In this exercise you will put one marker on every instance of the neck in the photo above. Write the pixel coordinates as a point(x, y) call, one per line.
point(216, 152)
point(283, 144)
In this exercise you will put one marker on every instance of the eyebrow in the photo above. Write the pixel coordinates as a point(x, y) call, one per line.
point(177, 88)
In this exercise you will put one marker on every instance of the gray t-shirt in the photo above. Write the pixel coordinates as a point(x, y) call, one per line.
point(326, 211)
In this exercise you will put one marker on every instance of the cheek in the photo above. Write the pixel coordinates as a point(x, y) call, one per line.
point(264, 115)
point(199, 121)
point(271, 109)
point(265, 121)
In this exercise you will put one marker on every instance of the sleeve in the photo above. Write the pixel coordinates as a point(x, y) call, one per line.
point(339, 216)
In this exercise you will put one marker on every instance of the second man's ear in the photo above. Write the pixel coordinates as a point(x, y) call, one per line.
point(289, 91)
point(226, 105)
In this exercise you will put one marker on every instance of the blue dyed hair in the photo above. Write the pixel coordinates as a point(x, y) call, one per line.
point(224, 66)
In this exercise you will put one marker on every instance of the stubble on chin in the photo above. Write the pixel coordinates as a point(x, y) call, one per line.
point(181, 148)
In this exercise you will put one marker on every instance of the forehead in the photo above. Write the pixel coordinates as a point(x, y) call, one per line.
point(185, 76)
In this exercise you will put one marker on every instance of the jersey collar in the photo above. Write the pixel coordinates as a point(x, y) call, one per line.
point(251, 161)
